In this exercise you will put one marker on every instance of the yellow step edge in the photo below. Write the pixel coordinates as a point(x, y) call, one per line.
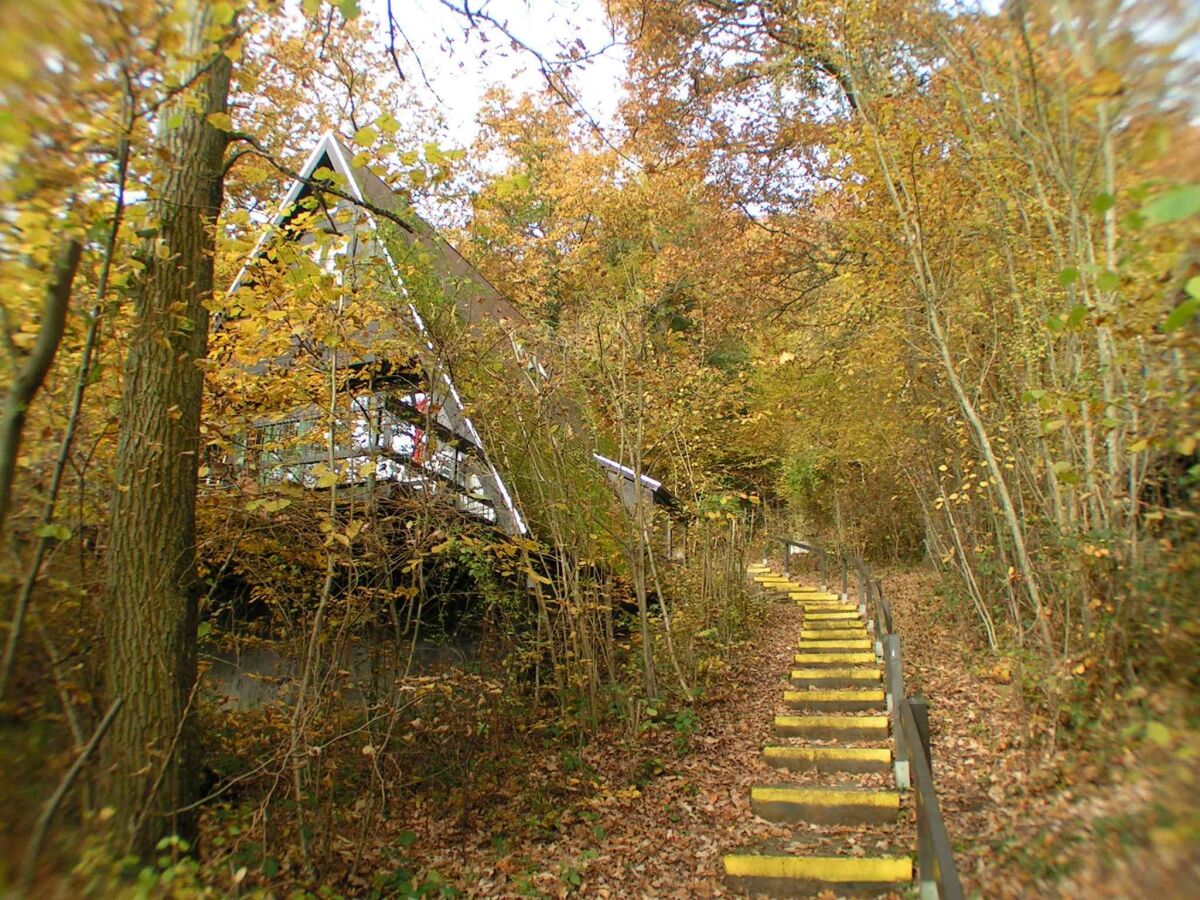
point(859, 754)
point(877, 723)
point(834, 869)
point(834, 696)
point(832, 616)
point(814, 636)
point(850, 658)
point(837, 644)
point(826, 797)
point(848, 674)
point(833, 634)
point(815, 597)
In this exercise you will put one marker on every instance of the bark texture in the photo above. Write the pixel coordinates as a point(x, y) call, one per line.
point(150, 613)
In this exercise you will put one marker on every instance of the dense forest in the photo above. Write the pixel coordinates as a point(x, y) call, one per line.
point(376, 511)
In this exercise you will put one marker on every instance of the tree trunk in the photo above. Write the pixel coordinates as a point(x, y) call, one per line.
point(150, 608)
point(28, 381)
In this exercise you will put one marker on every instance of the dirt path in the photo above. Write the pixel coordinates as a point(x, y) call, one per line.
point(653, 818)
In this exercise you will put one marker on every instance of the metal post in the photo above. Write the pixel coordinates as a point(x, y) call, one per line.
point(895, 697)
point(845, 576)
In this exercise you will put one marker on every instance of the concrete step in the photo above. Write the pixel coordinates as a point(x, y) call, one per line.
point(825, 806)
point(835, 616)
point(833, 634)
point(809, 645)
point(804, 876)
point(815, 596)
point(830, 759)
point(831, 624)
point(860, 700)
point(846, 728)
point(817, 606)
point(847, 677)
point(835, 659)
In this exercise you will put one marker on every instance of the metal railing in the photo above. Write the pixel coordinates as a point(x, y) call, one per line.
point(910, 722)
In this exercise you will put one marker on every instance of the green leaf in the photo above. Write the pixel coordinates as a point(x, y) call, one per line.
point(1108, 281)
point(1102, 203)
point(1068, 277)
point(1158, 733)
point(387, 123)
point(222, 13)
point(510, 184)
point(203, 631)
point(1172, 204)
point(1053, 425)
point(1193, 287)
point(349, 9)
point(1031, 395)
point(1076, 316)
point(54, 532)
point(1182, 314)
point(366, 136)
point(220, 121)
point(311, 7)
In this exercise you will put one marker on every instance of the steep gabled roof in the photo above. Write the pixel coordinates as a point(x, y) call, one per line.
point(474, 298)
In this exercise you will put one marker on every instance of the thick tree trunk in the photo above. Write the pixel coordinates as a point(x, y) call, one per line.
point(150, 610)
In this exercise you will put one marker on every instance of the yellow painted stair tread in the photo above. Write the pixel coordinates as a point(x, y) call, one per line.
point(878, 722)
point(850, 658)
point(832, 634)
point(848, 615)
point(826, 796)
point(850, 869)
point(838, 644)
point(863, 754)
point(831, 696)
point(852, 674)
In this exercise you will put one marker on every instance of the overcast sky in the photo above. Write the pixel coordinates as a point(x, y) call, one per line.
point(460, 67)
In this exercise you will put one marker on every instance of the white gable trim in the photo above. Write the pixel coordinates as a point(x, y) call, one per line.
point(627, 472)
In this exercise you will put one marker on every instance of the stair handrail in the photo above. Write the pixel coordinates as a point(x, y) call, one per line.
point(821, 554)
point(935, 856)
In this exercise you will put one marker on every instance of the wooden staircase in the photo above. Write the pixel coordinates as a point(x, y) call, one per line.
point(840, 727)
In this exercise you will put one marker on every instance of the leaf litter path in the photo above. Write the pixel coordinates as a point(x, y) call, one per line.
point(653, 822)
point(1025, 821)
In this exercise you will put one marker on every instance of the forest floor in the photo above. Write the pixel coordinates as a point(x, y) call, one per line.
point(648, 812)
point(1111, 813)
point(651, 816)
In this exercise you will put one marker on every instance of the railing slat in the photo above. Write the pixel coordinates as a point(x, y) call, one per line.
point(938, 862)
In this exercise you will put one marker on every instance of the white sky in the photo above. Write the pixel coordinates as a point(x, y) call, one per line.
point(461, 67)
